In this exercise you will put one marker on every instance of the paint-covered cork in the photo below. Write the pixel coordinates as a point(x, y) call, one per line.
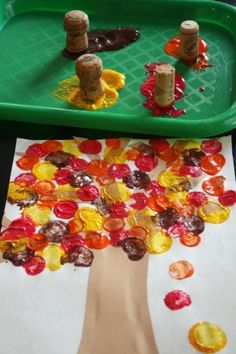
point(76, 24)
point(164, 85)
point(89, 71)
point(189, 38)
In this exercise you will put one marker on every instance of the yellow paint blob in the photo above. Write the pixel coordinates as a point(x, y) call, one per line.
point(143, 218)
point(93, 220)
point(71, 147)
point(207, 337)
point(177, 196)
point(158, 243)
point(19, 193)
point(44, 170)
point(66, 192)
point(13, 246)
point(69, 91)
point(116, 192)
point(114, 156)
point(52, 255)
point(38, 214)
point(213, 212)
point(169, 180)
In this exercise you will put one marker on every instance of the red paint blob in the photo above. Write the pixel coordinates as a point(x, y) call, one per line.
point(90, 147)
point(212, 164)
point(36, 149)
point(177, 299)
point(211, 146)
point(148, 90)
point(35, 265)
point(119, 210)
point(196, 198)
point(172, 48)
point(72, 241)
point(118, 170)
point(78, 164)
point(159, 145)
point(23, 225)
point(154, 188)
point(193, 171)
point(140, 201)
point(228, 198)
point(87, 193)
point(65, 209)
point(63, 176)
point(146, 162)
point(26, 179)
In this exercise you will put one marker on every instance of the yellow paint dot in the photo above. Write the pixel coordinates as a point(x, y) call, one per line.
point(113, 79)
point(93, 220)
point(158, 243)
point(71, 147)
point(66, 192)
point(143, 218)
point(177, 196)
point(207, 337)
point(114, 156)
point(213, 212)
point(13, 246)
point(192, 144)
point(44, 170)
point(18, 193)
point(39, 215)
point(116, 192)
point(169, 180)
point(52, 255)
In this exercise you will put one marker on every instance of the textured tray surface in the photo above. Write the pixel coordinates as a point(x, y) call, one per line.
point(31, 66)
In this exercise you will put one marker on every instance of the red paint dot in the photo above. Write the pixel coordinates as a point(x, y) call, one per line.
point(26, 179)
point(228, 198)
point(90, 147)
point(23, 225)
point(65, 209)
point(177, 299)
point(78, 164)
point(196, 198)
point(118, 170)
point(63, 176)
point(146, 162)
point(159, 145)
point(35, 265)
point(119, 210)
point(35, 149)
point(87, 193)
point(140, 201)
point(211, 146)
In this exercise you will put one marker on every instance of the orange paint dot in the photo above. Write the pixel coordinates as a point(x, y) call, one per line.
point(27, 162)
point(214, 185)
point(170, 155)
point(75, 225)
point(37, 242)
point(132, 154)
point(96, 241)
point(51, 146)
point(158, 203)
point(113, 224)
point(180, 270)
point(44, 187)
point(113, 144)
point(97, 168)
point(138, 232)
point(212, 164)
point(190, 239)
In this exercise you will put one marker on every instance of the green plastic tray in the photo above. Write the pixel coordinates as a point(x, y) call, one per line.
point(31, 64)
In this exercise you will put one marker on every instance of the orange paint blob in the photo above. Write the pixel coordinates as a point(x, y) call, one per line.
point(212, 164)
point(44, 187)
point(172, 48)
point(189, 239)
point(26, 162)
point(113, 144)
point(97, 168)
point(180, 270)
point(214, 185)
point(96, 241)
point(51, 146)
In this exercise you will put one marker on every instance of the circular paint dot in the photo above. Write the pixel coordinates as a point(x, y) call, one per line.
point(71, 147)
point(78, 164)
point(113, 224)
point(45, 187)
point(213, 212)
point(39, 215)
point(26, 179)
point(190, 239)
point(95, 240)
point(207, 337)
point(119, 210)
point(196, 198)
point(116, 192)
point(24, 226)
point(158, 243)
point(228, 198)
point(35, 265)
point(214, 185)
point(87, 193)
point(177, 299)
point(44, 170)
point(65, 209)
point(97, 168)
point(140, 201)
point(93, 220)
point(35, 149)
point(51, 146)
point(212, 164)
point(180, 270)
point(63, 176)
point(38, 241)
point(146, 162)
point(90, 147)
point(118, 170)
point(211, 146)
point(27, 162)
point(52, 255)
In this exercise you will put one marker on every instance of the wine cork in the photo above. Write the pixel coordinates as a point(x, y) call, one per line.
point(164, 85)
point(89, 71)
point(189, 37)
point(76, 24)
